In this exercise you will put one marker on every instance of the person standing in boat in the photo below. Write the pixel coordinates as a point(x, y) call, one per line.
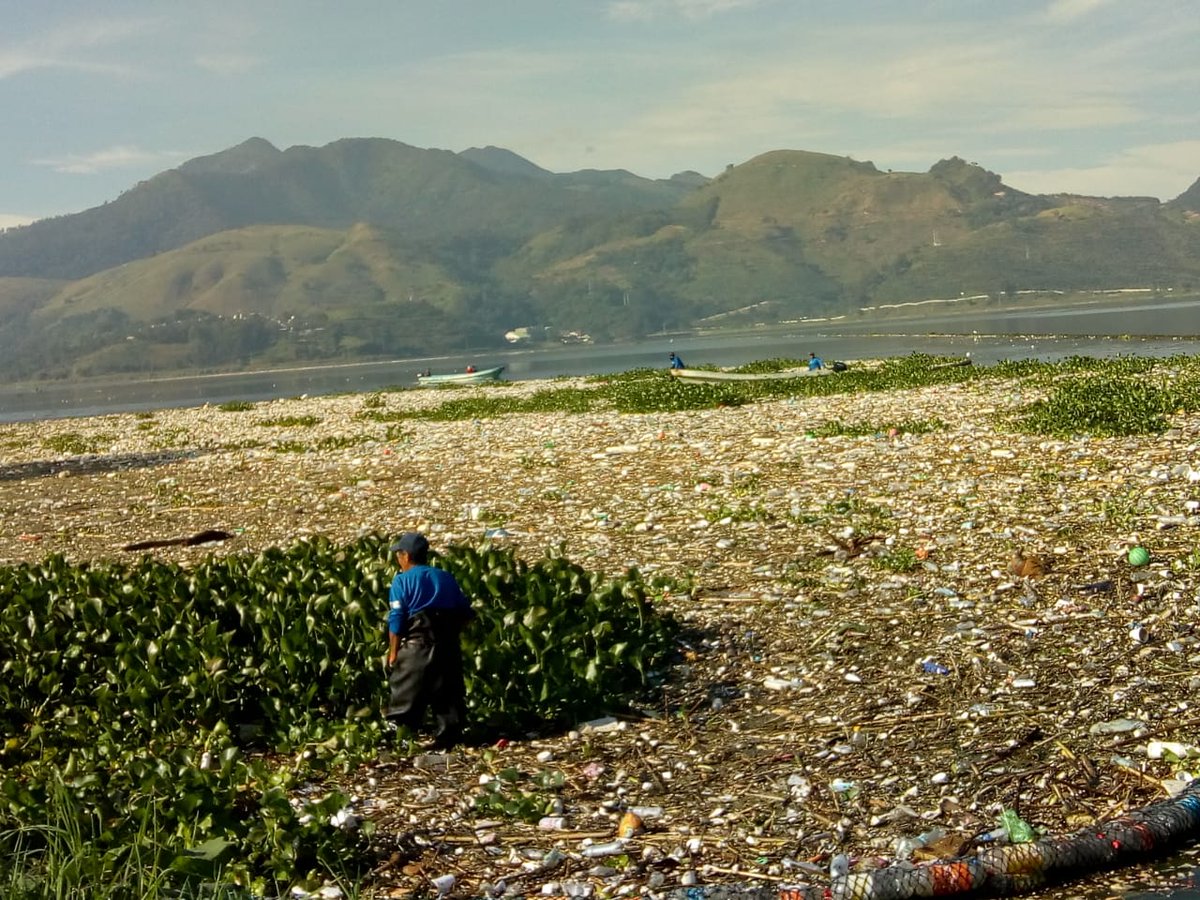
point(814, 363)
point(427, 612)
point(675, 361)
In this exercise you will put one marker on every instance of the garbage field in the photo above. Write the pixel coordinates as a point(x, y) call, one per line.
point(917, 618)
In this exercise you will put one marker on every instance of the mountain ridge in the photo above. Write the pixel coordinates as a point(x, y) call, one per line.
point(256, 254)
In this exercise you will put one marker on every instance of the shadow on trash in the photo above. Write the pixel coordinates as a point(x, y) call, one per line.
point(94, 465)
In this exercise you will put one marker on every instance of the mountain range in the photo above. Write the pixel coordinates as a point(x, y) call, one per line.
point(373, 248)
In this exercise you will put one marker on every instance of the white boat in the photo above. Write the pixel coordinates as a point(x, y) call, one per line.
point(481, 377)
point(711, 376)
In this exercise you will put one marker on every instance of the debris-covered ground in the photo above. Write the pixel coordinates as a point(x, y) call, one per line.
point(886, 636)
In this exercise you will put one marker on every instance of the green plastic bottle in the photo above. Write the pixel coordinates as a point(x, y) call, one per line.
point(1019, 831)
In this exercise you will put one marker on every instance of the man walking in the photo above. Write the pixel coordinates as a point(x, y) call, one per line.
point(427, 611)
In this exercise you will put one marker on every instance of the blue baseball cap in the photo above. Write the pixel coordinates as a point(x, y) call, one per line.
point(411, 542)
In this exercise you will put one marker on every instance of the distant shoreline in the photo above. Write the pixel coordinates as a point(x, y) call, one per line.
point(1098, 329)
point(875, 322)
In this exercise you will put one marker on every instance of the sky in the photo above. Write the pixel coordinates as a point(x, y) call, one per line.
point(1098, 97)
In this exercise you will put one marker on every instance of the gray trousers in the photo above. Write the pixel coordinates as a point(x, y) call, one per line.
point(428, 674)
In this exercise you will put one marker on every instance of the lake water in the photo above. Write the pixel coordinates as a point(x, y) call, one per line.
point(1168, 327)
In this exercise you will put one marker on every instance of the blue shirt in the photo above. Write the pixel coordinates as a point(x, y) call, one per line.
point(421, 588)
point(815, 363)
point(676, 362)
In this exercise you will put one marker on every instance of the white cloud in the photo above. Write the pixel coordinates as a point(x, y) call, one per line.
point(15, 62)
point(649, 10)
point(227, 63)
point(1151, 170)
point(1070, 10)
point(225, 42)
point(11, 220)
point(901, 79)
point(66, 47)
point(117, 157)
point(1078, 114)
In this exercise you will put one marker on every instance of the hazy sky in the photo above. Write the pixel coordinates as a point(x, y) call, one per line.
point(1088, 96)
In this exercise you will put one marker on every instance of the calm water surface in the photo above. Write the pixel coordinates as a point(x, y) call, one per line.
point(987, 337)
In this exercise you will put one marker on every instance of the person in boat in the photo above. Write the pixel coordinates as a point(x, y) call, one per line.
point(676, 362)
point(814, 363)
point(470, 369)
point(427, 612)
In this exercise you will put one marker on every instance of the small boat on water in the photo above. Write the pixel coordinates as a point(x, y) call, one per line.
point(483, 376)
point(715, 376)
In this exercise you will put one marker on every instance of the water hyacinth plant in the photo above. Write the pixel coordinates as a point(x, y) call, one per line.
point(1084, 395)
point(166, 714)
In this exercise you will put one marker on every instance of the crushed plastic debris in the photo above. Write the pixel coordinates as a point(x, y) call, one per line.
point(791, 561)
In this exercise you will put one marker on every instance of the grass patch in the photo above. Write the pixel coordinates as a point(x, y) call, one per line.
point(898, 559)
point(743, 512)
point(290, 422)
point(377, 415)
point(396, 435)
point(171, 438)
point(75, 444)
point(338, 442)
point(235, 406)
point(503, 796)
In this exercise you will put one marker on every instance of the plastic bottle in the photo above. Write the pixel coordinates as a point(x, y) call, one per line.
point(906, 846)
point(646, 812)
point(612, 848)
point(935, 668)
point(1019, 831)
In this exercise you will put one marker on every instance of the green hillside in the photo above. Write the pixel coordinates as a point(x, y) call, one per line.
point(372, 248)
point(1189, 201)
point(265, 293)
point(808, 233)
point(432, 195)
point(275, 271)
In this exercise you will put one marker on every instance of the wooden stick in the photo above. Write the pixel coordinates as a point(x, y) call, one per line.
point(1149, 779)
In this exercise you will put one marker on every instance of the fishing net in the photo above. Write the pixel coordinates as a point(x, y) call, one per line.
point(1001, 869)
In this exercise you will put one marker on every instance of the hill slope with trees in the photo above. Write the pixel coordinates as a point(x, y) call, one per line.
point(368, 247)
